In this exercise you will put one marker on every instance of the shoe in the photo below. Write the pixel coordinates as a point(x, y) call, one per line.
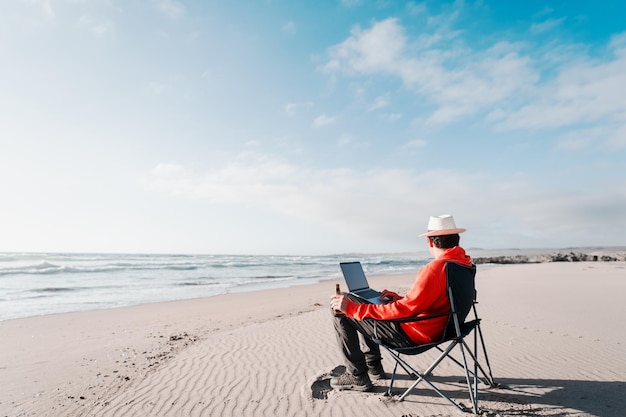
point(348, 381)
point(376, 371)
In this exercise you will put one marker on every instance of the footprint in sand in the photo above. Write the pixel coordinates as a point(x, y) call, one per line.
point(320, 386)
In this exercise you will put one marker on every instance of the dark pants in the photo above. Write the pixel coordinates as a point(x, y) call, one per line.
point(350, 332)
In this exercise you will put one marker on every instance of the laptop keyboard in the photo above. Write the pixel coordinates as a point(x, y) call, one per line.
point(369, 293)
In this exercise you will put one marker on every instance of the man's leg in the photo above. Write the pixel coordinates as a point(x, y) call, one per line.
point(372, 354)
point(359, 363)
point(355, 377)
point(350, 346)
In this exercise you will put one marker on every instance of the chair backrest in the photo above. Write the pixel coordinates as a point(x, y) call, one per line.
point(461, 291)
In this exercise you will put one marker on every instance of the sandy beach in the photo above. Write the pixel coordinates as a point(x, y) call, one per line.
point(552, 330)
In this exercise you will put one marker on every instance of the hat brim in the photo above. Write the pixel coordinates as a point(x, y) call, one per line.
point(442, 232)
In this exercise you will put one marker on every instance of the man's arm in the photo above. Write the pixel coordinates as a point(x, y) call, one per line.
point(339, 302)
point(426, 289)
point(390, 295)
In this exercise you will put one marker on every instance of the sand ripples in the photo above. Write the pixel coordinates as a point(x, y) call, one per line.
point(233, 373)
point(282, 367)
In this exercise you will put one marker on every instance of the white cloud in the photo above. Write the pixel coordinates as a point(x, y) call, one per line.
point(416, 9)
point(379, 103)
point(335, 197)
point(497, 210)
point(618, 44)
point(294, 108)
point(574, 141)
point(48, 10)
point(168, 169)
point(368, 51)
point(612, 137)
point(392, 117)
point(458, 82)
point(324, 120)
point(416, 143)
point(99, 27)
point(545, 26)
point(582, 92)
point(345, 140)
point(349, 140)
point(543, 12)
point(171, 8)
point(617, 138)
point(289, 27)
point(45, 6)
point(157, 88)
point(506, 83)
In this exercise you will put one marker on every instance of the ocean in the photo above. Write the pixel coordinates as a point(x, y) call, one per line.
point(34, 284)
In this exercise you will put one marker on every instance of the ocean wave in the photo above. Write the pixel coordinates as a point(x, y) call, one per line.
point(200, 284)
point(44, 283)
point(274, 277)
point(53, 289)
point(47, 268)
point(261, 280)
point(254, 265)
point(41, 268)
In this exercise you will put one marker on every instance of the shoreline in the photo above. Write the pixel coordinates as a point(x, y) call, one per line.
point(480, 257)
point(225, 355)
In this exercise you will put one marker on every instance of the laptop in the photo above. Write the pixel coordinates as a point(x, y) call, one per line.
point(357, 283)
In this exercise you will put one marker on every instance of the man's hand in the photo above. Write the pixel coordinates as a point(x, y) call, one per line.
point(339, 302)
point(390, 295)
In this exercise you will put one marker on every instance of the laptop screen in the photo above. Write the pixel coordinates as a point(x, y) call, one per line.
point(354, 275)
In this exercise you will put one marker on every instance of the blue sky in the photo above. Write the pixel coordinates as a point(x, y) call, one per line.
point(291, 127)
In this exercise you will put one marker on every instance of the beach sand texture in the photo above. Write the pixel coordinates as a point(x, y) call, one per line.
point(553, 332)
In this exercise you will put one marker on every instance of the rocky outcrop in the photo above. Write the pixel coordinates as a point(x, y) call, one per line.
point(555, 257)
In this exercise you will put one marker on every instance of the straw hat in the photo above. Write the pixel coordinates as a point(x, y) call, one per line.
point(442, 225)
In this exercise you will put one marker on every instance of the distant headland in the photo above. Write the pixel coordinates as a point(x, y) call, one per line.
point(536, 256)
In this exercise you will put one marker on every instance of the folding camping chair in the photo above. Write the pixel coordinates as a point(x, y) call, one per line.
point(462, 295)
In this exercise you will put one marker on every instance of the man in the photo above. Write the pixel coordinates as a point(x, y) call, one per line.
point(428, 296)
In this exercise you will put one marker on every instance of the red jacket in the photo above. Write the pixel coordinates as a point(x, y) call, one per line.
point(428, 296)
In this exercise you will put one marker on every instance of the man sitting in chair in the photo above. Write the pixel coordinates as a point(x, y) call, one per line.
point(427, 297)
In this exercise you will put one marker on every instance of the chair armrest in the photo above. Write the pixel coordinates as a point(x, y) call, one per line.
point(410, 319)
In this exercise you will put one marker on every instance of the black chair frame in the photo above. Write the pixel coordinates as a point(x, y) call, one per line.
point(462, 295)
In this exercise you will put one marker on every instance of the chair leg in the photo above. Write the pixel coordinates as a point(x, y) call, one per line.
point(476, 372)
point(486, 379)
point(444, 352)
point(489, 377)
point(492, 383)
point(393, 378)
point(453, 359)
point(470, 371)
point(470, 389)
point(419, 377)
